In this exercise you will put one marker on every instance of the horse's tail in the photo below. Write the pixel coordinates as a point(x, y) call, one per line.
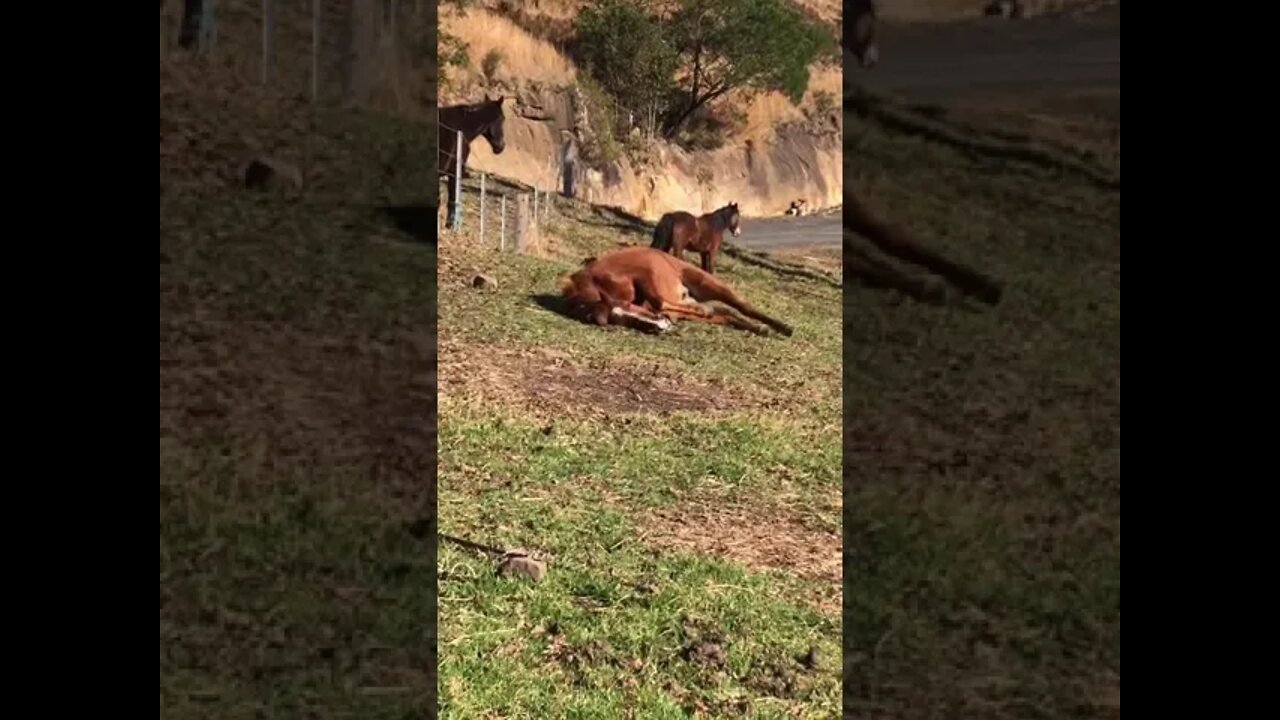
point(662, 233)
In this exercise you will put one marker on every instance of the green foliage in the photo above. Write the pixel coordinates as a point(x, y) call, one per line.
point(764, 44)
point(489, 66)
point(602, 118)
point(452, 53)
point(623, 47)
point(705, 49)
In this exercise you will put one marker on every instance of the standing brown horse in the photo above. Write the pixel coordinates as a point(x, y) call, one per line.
point(482, 119)
point(860, 18)
point(679, 231)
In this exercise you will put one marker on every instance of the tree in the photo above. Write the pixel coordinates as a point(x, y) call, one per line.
point(623, 48)
point(730, 44)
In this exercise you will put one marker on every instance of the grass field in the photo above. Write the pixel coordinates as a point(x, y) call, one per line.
point(982, 448)
point(297, 412)
point(684, 487)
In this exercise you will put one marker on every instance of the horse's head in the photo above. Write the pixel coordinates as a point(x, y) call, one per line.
point(860, 19)
point(493, 119)
point(732, 219)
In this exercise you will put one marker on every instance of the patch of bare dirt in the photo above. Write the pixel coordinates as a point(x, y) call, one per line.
point(753, 541)
point(289, 400)
point(822, 259)
point(544, 381)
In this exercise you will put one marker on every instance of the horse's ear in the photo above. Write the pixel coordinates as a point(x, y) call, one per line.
point(502, 99)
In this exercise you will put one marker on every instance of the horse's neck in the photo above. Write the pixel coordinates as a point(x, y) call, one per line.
point(453, 119)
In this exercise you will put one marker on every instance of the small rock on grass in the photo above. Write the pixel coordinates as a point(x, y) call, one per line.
point(483, 281)
point(517, 563)
point(809, 660)
point(265, 172)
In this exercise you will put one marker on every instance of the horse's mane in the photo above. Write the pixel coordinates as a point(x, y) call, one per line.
point(720, 217)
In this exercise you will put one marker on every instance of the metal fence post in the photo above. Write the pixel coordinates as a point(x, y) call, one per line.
point(315, 50)
point(457, 195)
point(481, 208)
point(208, 28)
point(268, 29)
point(502, 232)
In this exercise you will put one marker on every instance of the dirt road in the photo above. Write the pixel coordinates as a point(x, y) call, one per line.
point(927, 63)
point(785, 232)
point(988, 58)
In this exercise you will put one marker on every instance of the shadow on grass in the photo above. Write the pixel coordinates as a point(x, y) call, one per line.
point(555, 304)
point(416, 221)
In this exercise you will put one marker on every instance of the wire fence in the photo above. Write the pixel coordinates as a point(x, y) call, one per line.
point(503, 213)
point(373, 53)
point(499, 213)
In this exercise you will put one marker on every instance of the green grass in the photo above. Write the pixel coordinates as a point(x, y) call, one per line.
point(297, 401)
point(619, 604)
point(980, 498)
point(582, 487)
point(982, 485)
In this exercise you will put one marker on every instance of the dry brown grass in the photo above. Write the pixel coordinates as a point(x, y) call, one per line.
point(769, 110)
point(825, 259)
point(547, 383)
point(749, 539)
point(523, 55)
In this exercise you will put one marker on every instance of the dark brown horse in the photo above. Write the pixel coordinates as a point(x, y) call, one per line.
point(679, 231)
point(482, 119)
point(860, 18)
point(891, 239)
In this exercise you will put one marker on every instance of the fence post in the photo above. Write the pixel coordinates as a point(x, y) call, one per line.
point(208, 28)
point(481, 208)
point(523, 228)
point(268, 30)
point(502, 227)
point(315, 50)
point(535, 206)
point(457, 180)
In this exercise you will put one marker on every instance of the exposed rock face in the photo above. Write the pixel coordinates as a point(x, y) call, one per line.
point(801, 159)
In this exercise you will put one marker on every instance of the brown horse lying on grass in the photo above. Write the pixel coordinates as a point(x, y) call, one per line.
point(647, 289)
point(679, 231)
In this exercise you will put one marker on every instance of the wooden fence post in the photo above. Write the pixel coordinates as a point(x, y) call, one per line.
point(524, 229)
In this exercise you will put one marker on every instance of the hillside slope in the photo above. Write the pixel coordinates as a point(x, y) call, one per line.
point(775, 153)
point(297, 400)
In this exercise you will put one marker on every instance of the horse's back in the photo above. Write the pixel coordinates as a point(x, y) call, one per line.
point(664, 231)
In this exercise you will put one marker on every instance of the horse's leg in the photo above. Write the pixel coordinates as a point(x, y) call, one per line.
point(709, 256)
point(714, 315)
point(639, 317)
point(879, 273)
point(895, 241)
point(704, 287)
point(451, 190)
point(618, 305)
